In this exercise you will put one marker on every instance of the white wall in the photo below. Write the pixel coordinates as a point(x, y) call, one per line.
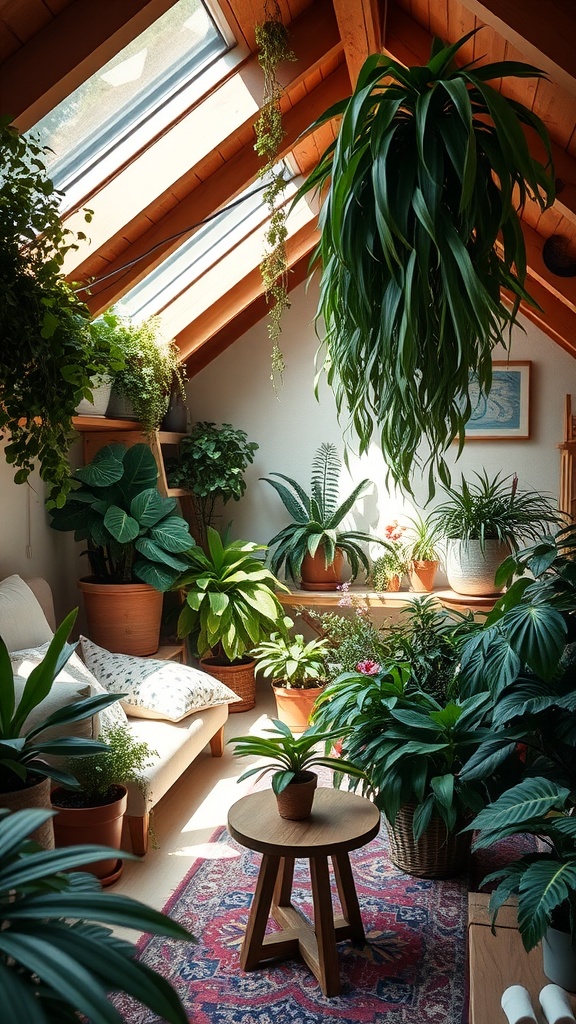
point(236, 388)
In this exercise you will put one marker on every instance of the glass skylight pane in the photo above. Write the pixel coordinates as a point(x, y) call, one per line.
point(199, 252)
point(89, 124)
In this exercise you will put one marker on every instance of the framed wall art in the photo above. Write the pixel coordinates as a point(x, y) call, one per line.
point(505, 413)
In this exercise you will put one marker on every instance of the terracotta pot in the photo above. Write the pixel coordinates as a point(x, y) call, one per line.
point(239, 677)
point(101, 824)
point(435, 855)
point(471, 570)
point(37, 795)
point(294, 705)
point(393, 584)
point(314, 574)
point(295, 802)
point(123, 618)
point(423, 575)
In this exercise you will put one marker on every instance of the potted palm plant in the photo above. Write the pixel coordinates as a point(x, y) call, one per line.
point(297, 669)
point(230, 606)
point(421, 549)
point(93, 810)
point(312, 547)
point(26, 735)
point(482, 521)
point(290, 760)
point(428, 175)
point(58, 954)
point(136, 540)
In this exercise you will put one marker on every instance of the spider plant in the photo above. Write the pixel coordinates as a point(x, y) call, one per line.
point(423, 190)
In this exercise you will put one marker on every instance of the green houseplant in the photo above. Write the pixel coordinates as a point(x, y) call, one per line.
point(58, 955)
point(211, 464)
point(136, 540)
point(316, 531)
point(48, 356)
point(290, 760)
point(230, 606)
point(428, 175)
point(422, 554)
point(94, 809)
point(297, 670)
point(482, 520)
point(25, 773)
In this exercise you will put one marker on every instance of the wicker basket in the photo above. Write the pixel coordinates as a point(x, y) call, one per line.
point(239, 678)
point(33, 796)
point(437, 854)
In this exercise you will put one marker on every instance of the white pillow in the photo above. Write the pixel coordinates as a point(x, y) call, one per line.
point(22, 621)
point(58, 697)
point(74, 671)
point(155, 688)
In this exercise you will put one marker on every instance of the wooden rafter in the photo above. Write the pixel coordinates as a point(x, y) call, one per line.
point(360, 30)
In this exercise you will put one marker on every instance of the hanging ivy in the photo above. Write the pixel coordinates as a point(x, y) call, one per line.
point(273, 50)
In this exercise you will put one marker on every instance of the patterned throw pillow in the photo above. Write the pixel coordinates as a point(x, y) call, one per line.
point(155, 688)
point(74, 671)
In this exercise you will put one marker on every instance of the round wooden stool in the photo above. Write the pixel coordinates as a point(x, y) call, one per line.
point(339, 822)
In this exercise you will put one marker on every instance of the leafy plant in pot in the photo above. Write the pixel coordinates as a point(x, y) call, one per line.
point(291, 758)
point(58, 955)
point(93, 811)
point(429, 173)
point(211, 464)
point(136, 540)
point(297, 670)
point(312, 547)
point(25, 739)
point(421, 550)
point(484, 520)
point(230, 606)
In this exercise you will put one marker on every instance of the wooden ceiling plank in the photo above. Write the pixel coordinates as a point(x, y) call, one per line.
point(544, 32)
point(554, 318)
point(360, 31)
point(69, 49)
point(219, 189)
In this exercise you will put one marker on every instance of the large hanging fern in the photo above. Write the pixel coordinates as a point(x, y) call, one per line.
point(429, 170)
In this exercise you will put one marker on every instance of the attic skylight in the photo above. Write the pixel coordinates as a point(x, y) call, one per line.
point(129, 99)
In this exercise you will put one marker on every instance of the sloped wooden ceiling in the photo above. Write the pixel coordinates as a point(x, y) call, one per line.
point(48, 47)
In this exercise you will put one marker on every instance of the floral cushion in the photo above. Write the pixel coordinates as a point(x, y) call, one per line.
point(155, 688)
point(74, 671)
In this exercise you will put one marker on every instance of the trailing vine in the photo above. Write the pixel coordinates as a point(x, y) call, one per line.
point(273, 50)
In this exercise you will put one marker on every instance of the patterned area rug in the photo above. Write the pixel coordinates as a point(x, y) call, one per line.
point(411, 971)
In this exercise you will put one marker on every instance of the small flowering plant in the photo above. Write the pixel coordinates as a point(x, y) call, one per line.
point(396, 561)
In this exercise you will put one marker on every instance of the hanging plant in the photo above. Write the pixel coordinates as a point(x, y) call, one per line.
point(429, 172)
point(273, 50)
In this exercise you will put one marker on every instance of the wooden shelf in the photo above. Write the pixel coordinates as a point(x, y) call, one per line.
point(382, 599)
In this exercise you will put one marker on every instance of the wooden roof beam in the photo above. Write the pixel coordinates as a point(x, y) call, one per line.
point(555, 318)
point(71, 48)
point(544, 32)
point(221, 187)
point(360, 30)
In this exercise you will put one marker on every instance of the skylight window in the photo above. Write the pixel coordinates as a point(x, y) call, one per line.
point(95, 128)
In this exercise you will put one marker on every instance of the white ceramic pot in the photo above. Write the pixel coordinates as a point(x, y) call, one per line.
point(471, 570)
point(120, 407)
point(101, 391)
point(559, 959)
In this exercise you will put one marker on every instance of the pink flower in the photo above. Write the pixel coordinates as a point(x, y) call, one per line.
point(337, 749)
point(368, 667)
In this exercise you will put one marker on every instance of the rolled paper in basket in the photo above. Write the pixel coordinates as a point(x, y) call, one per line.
point(556, 1005)
point(517, 1005)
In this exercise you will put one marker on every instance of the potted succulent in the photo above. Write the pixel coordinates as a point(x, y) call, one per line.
point(312, 547)
point(93, 811)
point(411, 748)
point(211, 464)
point(411, 219)
point(290, 760)
point(136, 541)
point(482, 521)
point(150, 369)
point(25, 773)
point(230, 606)
point(297, 669)
point(421, 550)
point(58, 954)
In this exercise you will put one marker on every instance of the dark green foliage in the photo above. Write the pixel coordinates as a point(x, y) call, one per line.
point(58, 954)
point(48, 356)
point(134, 533)
point(124, 760)
point(430, 170)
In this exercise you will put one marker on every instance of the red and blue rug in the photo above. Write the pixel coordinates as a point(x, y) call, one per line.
point(411, 970)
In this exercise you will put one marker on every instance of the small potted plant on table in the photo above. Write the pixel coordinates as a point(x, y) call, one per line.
point(421, 550)
point(297, 670)
point(291, 758)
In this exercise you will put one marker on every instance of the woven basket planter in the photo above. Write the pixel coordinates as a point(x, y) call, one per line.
point(239, 678)
point(437, 854)
point(37, 795)
point(295, 802)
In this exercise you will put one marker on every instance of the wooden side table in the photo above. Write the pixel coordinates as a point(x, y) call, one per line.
point(339, 822)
